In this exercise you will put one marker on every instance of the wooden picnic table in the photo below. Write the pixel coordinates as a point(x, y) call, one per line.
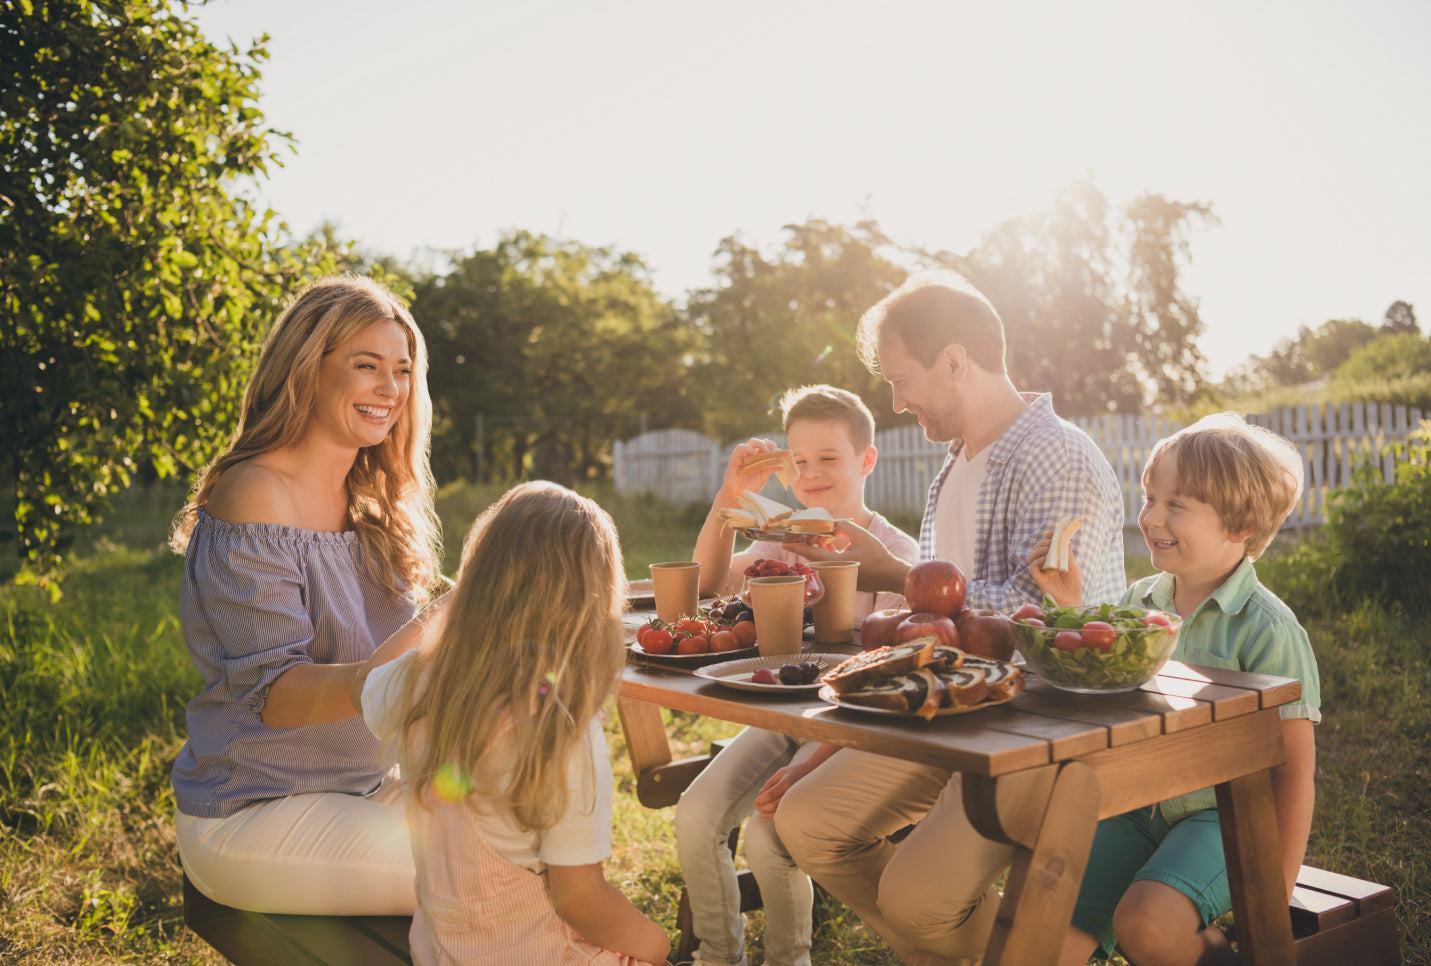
point(1041, 770)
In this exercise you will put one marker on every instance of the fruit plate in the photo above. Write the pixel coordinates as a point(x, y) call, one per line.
point(736, 674)
point(691, 660)
point(827, 693)
point(780, 536)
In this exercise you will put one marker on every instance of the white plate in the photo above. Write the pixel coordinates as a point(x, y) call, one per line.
point(736, 674)
point(828, 694)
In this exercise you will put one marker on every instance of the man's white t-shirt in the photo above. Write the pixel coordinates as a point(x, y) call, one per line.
point(956, 508)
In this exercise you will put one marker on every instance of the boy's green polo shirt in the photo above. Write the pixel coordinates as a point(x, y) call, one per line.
point(1242, 626)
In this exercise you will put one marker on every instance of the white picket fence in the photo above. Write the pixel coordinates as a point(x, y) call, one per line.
point(683, 466)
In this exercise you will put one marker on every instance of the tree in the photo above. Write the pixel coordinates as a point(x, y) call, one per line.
point(1394, 355)
point(136, 285)
point(1400, 317)
point(558, 347)
point(787, 319)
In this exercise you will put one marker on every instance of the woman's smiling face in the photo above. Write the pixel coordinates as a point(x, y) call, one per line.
point(363, 385)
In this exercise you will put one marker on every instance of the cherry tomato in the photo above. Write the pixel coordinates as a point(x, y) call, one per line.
point(1157, 617)
point(1033, 622)
point(744, 632)
point(724, 641)
point(1068, 640)
point(695, 644)
point(1027, 611)
point(1099, 635)
point(658, 641)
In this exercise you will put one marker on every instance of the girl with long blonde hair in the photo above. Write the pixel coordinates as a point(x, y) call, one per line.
point(309, 543)
point(498, 723)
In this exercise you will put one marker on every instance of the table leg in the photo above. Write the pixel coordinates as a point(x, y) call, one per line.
point(1048, 814)
point(1252, 847)
point(645, 733)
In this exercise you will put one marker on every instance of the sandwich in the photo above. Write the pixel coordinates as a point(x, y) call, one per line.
point(1060, 550)
point(756, 512)
point(781, 461)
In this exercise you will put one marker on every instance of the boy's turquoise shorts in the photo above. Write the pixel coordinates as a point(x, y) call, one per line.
point(1144, 845)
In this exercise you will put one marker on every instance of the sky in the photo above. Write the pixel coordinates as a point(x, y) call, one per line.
point(663, 127)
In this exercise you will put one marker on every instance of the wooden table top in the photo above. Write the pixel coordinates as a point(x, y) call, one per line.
point(1041, 725)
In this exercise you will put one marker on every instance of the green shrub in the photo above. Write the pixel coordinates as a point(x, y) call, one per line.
point(1376, 544)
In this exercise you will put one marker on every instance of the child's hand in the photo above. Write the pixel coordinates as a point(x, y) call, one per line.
point(737, 480)
point(781, 782)
point(1065, 587)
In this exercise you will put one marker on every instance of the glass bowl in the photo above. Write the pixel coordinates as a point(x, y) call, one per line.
point(1093, 661)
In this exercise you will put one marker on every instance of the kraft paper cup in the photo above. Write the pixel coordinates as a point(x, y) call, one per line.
point(779, 605)
point(835, 612)
point(676, 586)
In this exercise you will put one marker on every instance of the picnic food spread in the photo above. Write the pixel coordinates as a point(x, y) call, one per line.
point(1095, 649)
point(923, 677)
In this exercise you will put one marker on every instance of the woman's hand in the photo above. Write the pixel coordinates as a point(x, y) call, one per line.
point(1065, 587)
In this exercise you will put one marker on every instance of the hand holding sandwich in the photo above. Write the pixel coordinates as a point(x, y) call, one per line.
point(880, 570)
point(1064, 586)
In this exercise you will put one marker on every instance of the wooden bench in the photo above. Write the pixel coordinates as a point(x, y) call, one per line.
point(1338, 920)
point(268, 939)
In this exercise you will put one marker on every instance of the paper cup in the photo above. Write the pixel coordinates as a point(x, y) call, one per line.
point(835, 612)
point(676, 586)
point(779, 605)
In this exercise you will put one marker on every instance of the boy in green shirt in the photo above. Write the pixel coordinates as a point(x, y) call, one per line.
point(1215, 494)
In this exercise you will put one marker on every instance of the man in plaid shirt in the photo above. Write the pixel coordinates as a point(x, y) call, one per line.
point(1014, 470)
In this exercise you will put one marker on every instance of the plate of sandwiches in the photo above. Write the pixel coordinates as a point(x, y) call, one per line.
point(760, 518)
point(923, 678)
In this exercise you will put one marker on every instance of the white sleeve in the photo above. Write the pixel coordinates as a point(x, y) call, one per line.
point(383, 694)
point(583, 835)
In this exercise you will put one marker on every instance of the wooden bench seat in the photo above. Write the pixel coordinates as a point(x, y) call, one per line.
point(1338, 920)
point(267, 939)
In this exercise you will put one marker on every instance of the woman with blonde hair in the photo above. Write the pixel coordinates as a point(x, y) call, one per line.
point(309, 543)
point(497, 720)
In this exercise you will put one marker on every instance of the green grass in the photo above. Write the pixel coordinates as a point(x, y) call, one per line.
point(93, 690)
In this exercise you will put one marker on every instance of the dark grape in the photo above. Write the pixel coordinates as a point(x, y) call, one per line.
point(791, 674)
point(810, 670)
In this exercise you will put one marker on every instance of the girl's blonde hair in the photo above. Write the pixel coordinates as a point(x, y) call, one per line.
point(390, 486)
point(1250, 476)
point(531, 646)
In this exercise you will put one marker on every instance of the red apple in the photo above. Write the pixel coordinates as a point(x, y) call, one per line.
point(878, 628)
point(925, 623)
point(987, 633)
point(935, 585)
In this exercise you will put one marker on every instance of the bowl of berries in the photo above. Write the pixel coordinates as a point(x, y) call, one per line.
point(814, 589)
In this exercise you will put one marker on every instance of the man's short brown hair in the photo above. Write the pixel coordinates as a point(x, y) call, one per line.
point(932, 310)
point(1250, 476)
point(835, 405)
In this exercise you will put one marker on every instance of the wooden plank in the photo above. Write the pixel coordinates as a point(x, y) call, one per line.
point(1142, 774)
point(1251, 845)
point(1123, 725)
point(1225, 702)
point(1067, 738)
point(1043, 882)
point(1370, 941)
point(1369, 897)
point(1313, 911)
point(1273, 690)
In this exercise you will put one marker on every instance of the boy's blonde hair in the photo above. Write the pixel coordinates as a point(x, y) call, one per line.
point(531, 646)
point(390, 485)
point(836, 405)
point(1250, 476)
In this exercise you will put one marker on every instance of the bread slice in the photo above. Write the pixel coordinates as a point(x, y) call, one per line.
point(782, 461)
point(897, 693)
point(964, 686)
point(947, 658)
point(1060, 551)
point(934, 694)
point(882, 662)
point(1002, 680)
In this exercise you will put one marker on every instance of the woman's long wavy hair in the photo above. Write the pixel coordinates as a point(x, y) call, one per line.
point(531, 645)
point(390, 486)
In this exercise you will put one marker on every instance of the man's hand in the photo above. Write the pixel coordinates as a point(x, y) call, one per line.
point(880, 570)
point(1066, 588)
